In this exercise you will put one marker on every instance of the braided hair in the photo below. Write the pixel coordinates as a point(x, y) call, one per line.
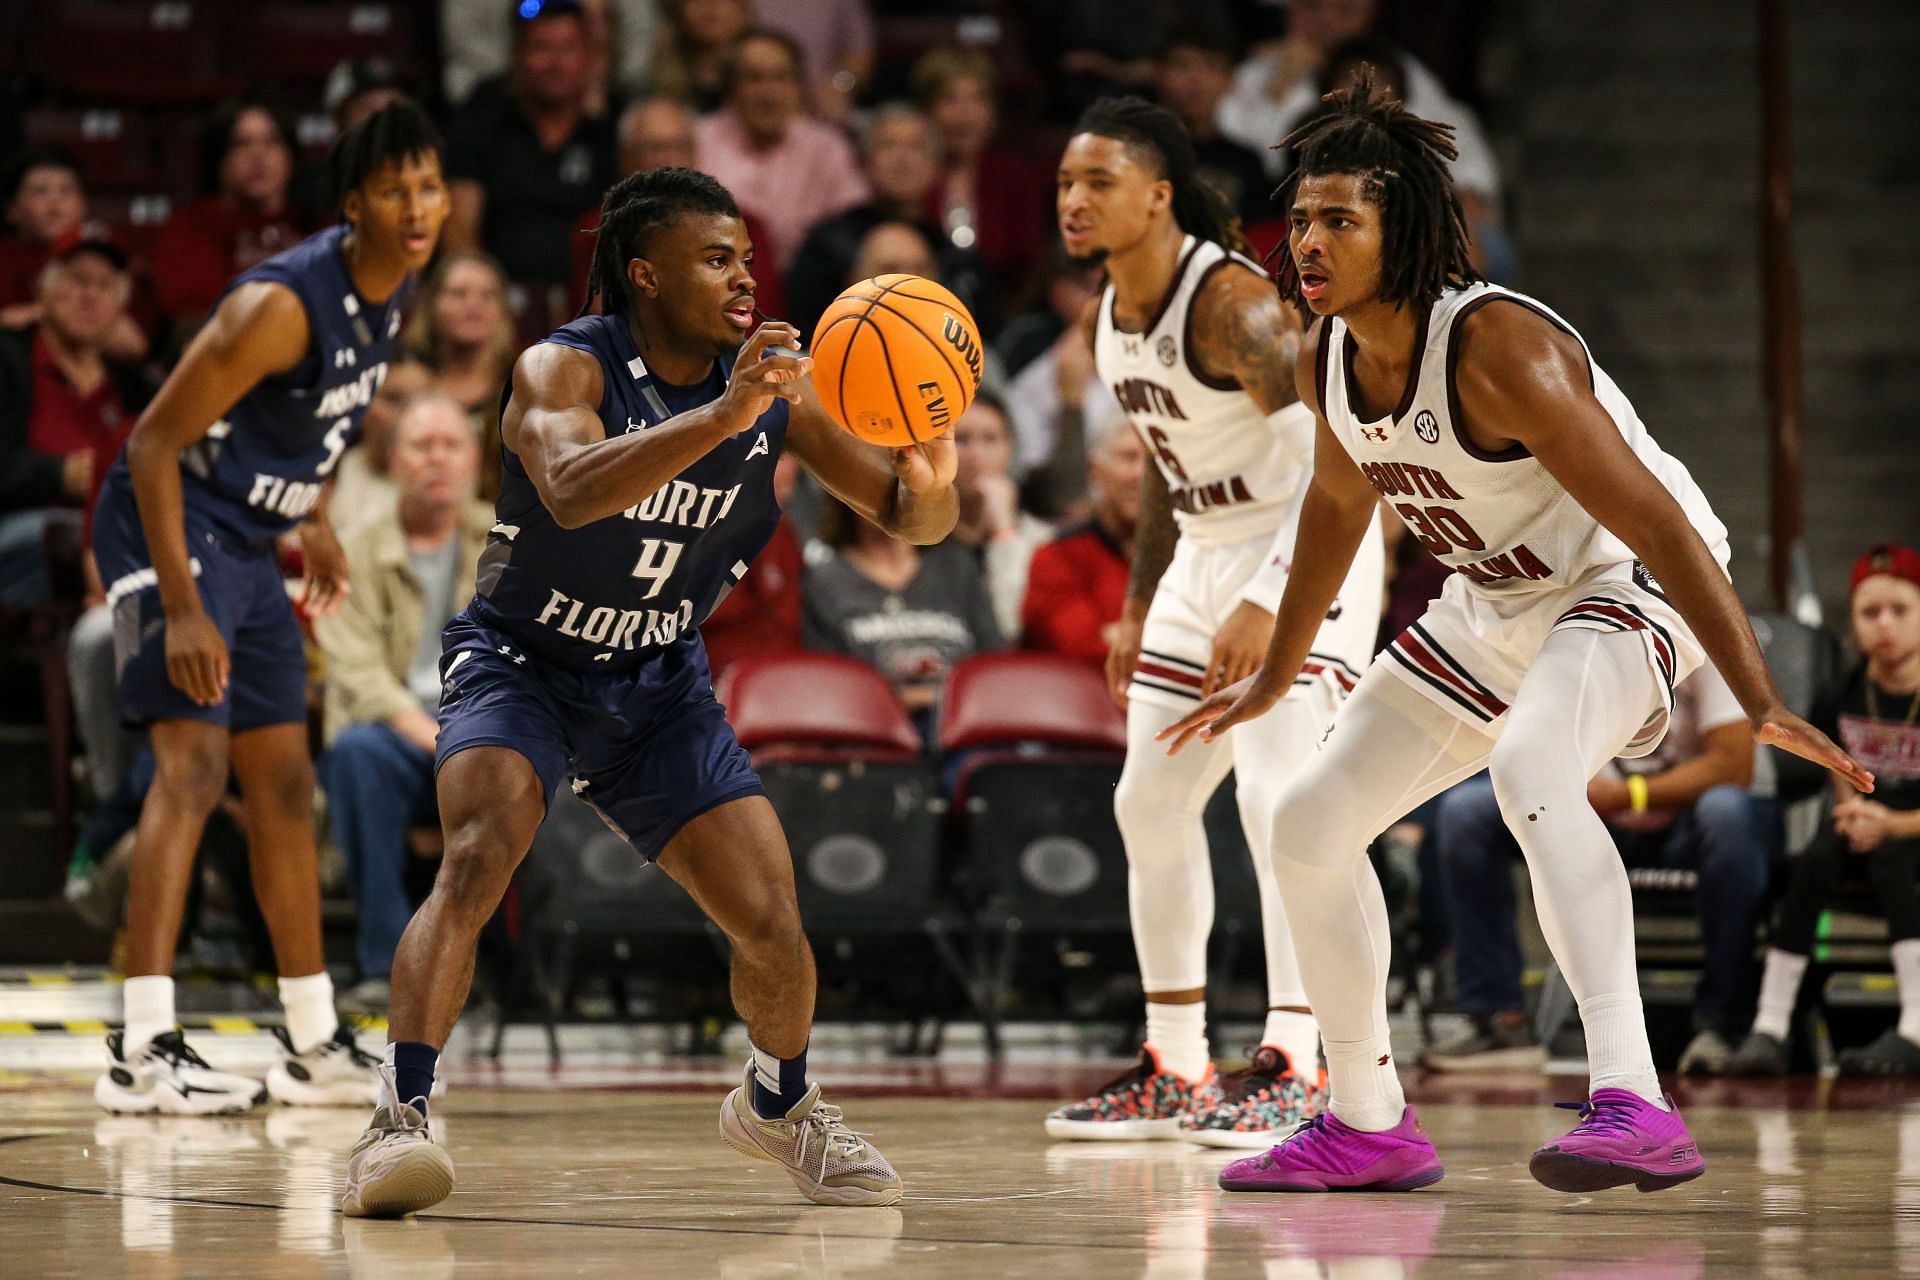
point(396, 132)
point(635, 207)
point(1401, 160)
point(1198, 209)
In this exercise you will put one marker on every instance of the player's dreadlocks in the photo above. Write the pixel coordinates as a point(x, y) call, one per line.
point(1198, 209)
point(396, 132)
point(1403, 162)
point(636, 206)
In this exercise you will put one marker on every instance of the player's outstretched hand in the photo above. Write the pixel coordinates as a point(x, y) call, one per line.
point(769, 366)
point(927, 466)
point(324, 588)
point(1781, 728)
point(1241, 700)
point(197, 657)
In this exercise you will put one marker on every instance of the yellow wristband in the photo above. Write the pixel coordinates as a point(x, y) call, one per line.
point(1637, 792)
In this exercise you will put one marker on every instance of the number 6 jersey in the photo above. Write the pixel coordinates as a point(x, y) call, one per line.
point(1499, 519)
point(614, 593)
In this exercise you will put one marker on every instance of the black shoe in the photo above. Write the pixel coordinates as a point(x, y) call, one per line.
point(1488, 1045)
point(1891, 1055)
point(1758, 1055)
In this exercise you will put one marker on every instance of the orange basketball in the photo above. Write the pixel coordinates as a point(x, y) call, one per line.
point(896, 359)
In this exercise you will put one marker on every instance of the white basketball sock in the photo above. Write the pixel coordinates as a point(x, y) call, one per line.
point(1366, 1088)
point(1906, 966)
point(149, 1012)
point(1297, 1036)
point(1177, 1034)
point(1779, 992)
point(1618, 1055)
point(311, 1020)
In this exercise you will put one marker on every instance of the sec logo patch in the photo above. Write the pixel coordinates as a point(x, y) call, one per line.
point(1426, 427)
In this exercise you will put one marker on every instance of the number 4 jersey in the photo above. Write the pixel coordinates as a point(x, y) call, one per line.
point(1500, 520)
point(614, 593)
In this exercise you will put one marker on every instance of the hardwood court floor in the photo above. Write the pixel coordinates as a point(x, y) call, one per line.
point(605, 1183)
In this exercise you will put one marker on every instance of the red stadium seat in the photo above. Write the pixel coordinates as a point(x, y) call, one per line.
point(126, 51)
point(301, 42)
point(997, 699)
point(816, 700)
point(116, 150)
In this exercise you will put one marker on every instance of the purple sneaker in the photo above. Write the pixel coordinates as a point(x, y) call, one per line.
point(1325, 1155)
point(1621, 1138)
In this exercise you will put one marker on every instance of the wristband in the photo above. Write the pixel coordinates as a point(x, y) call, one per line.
point(1637, 792)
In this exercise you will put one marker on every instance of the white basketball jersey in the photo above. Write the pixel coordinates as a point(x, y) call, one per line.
point(1501, 520)
point(1229, 476)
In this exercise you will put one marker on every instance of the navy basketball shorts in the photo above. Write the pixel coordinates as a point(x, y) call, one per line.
point(649, 748)
point(242, 592)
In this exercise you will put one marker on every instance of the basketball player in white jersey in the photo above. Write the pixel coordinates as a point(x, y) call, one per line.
point(1195, 342)
point(1590, 579)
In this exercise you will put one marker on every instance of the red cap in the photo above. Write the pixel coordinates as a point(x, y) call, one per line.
point(1888, 558)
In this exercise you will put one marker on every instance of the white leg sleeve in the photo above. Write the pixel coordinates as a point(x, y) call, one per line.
point(1387, 750)
point(1583, 699)
point(1159, 804)
point(1267, 754)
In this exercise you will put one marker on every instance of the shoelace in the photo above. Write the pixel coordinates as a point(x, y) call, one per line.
point(826, 1123)
point(343, 1039)
point(1306, 1130)
point(1601, 1117)
point(177, 1052)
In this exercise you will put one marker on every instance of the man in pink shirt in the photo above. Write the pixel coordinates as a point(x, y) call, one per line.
point(780, 163)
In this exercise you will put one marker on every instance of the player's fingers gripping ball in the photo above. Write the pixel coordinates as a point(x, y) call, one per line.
point(896, 360)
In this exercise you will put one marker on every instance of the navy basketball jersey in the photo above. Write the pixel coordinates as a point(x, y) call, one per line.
point(612, 594)
point(259, 470)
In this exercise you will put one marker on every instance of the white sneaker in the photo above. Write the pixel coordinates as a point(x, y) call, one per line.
point(830, 1163)
point(168, 1078)
point(396, 1168)
point(334, 1073)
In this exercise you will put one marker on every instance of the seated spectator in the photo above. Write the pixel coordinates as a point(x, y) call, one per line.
point(910, 612)
point(1193, 74)
point(1069, 288)
point(1053, 402)
point(1077, 584)
point(836, 41)
point(46, 211)
point(363, 488)
point(1684, 805)
point(900, 155)
point(476, 35)
point(245, 217)
point(690, 62)
point(526, 156)
point(762, 613)
point(989, 198)
point(462, 331)
point(1092, 48)
point(992, 526)
point(65, 409)
point(1874, 712)
point(411, 572)
point(656, 132)
point(777, 160)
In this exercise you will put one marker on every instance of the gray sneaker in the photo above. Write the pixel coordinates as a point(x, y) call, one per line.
point(1706, 1055)
point(396, 1168)
point(367, 998)
point(830, 1163)
point(1758, 1055)
point(1488, 1045)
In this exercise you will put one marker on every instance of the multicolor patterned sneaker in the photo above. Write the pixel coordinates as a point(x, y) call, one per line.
point(1258, 1107)
point(1146, 1102)
point(1621, 1138)
point(1325, 1154)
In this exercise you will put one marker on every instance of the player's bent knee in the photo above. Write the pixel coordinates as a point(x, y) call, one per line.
point(767, 924)
point(194, 776)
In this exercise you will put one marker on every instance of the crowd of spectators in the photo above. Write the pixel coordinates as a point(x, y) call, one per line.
point(846, 165)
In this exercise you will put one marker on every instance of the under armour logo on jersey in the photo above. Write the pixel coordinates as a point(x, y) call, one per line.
point(520, 659)
point(579, 786)
point(636, 424)
point(760, 446)
point(1427, 427)
point(1130, 347)
point(1376, 434)
point(344, 358)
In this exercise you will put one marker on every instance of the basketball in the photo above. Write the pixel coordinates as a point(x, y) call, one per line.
point(896, 359)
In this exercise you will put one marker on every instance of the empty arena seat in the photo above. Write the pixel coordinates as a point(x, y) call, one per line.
point(131, 50)
point(115, 149)
point(814, 702)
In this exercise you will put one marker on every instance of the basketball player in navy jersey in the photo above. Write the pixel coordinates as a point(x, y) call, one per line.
point(638, 485)
point(234, 454)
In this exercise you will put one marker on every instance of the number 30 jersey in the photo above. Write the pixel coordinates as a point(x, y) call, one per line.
point(1499, 519)
point(1231, 477)
point(612, 594)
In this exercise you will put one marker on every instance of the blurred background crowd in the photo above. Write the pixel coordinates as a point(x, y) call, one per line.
point(149, 151)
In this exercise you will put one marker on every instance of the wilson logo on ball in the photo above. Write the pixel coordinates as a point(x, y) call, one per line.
point(960, 338)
